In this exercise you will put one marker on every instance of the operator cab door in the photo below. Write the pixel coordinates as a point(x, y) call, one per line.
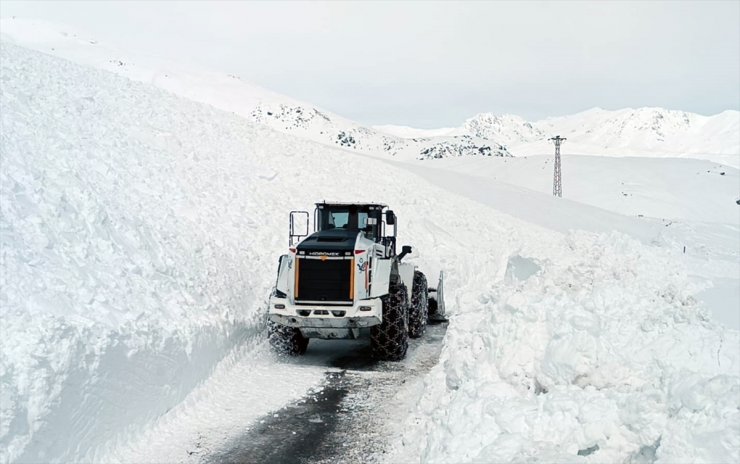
point(371, 223)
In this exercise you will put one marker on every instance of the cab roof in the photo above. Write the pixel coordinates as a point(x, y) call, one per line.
point(343, 203)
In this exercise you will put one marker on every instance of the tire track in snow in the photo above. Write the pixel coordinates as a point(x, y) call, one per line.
point(349, 420)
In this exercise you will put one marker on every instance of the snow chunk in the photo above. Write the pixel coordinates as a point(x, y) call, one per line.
point(601, 354)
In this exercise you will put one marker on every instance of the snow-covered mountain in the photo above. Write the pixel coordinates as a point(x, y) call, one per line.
point(510, 129)
point(650, 132)
point(324, 127)
point(412, 132)
point(655, 132)
point(229, 92)
point(626, 132)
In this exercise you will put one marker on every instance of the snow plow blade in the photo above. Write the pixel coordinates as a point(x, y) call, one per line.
point(437, 301)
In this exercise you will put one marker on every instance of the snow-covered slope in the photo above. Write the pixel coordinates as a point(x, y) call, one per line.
point(626, 132)
point(653, 131)
point(698, 221)
point(645, 132)
point(231, 93)
point(510, 129)
point(407, 132)
point(134, 236)
point(139, 237)
point(662, 188)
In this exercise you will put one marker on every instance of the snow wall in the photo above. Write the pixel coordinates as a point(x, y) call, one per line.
point(140, 234)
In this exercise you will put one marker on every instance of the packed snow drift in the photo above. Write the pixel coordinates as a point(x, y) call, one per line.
point(140, 232)
point(595, 350)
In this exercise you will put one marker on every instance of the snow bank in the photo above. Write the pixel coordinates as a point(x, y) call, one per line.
point(129, 265)
point(592, 350)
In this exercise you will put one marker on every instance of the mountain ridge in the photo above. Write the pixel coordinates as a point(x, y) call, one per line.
point(627, 132)
point(229, 92)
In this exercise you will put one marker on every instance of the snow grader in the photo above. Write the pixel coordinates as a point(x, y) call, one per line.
point(345, 280)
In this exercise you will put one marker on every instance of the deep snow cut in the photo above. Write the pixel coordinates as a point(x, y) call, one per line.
point(140, 236)
point(140, 232)
point(124, 284)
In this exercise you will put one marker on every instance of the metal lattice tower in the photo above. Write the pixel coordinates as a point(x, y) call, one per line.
point(557, 181)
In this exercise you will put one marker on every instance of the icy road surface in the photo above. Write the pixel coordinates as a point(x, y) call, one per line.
point(350, 418)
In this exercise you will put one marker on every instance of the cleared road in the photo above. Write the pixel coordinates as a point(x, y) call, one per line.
point(349, 419)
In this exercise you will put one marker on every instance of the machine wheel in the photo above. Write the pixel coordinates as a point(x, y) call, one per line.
point(286, 340)
point(390, 339)
point(419, 306)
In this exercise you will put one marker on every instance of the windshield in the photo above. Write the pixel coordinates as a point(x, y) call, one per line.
point(348, 217)
point(338, 219)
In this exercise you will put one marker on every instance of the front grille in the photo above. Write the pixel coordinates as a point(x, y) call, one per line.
point(324, 280)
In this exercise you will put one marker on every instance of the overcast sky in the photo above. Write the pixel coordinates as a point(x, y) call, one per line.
point(432, 64)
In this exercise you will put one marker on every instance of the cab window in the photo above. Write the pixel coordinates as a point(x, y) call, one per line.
point(340, 219)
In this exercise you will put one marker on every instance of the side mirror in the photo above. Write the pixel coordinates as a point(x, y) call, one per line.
point(390, 218)
point(406, 249)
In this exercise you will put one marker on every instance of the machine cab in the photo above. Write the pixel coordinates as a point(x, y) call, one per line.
point(366, 218)
point(342, 222)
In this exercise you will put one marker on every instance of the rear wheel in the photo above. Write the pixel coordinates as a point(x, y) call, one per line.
point(286, 340)
point(390, 339)
point(419, 306)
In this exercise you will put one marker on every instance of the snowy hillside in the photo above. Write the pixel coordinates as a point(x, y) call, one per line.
point(626, 132)
point(510, 129)
point(643, 131)
point(231, 93)
point(144, 207)
point(647, 132)
point(413, 133)
point(635, 196)
point(313, 124)
point(670, 189)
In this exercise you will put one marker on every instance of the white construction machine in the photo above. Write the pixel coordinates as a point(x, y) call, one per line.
point(345, 280)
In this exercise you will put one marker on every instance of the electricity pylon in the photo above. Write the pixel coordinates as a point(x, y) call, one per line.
point(557, 181)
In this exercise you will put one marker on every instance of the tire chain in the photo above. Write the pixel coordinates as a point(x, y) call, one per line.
point(418, 312)
point(286, 340)
point(389, 340)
